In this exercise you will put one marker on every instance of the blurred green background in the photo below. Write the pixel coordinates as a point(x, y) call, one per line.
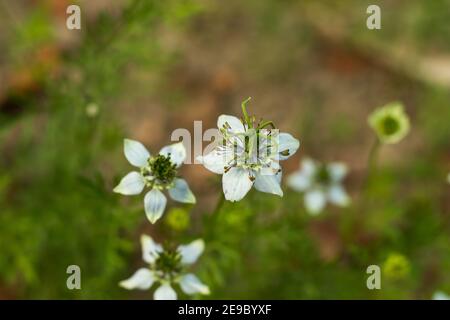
point(140, 69)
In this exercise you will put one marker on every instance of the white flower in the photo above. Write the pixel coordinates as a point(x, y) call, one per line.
point(167, 267)
point(249, 155)
point(439, 295)
point(157, 173)
point(320, 183)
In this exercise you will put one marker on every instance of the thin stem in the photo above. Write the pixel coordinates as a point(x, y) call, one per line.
point(216, 213)
point(373, 155)
point(219, 204)
point(371, 164)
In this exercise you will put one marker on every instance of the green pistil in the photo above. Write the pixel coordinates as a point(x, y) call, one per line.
point(247, 119)
point(169, 262)
point(264, 124)
point(390, 125)
point(251, 120)
point(323, 175)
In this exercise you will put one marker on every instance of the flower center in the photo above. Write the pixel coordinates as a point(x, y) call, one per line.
point(323, 176)
point(168, 263)
point(390, 125)
point(160, 171)
point(252, 149)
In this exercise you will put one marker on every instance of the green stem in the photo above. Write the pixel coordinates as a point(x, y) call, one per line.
point(219, 204)
point(371, 164)
point(214, 219)
point(373, 155)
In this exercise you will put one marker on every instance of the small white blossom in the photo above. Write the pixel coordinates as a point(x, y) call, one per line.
point(321, 184)
point(249, 155)
point(167, 267)
point(439, 295)
point(157, 173)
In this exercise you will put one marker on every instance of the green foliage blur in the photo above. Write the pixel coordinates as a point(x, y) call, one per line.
point(64, 115)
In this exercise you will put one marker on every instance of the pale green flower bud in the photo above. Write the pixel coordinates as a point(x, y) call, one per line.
point(396, 266)
point(178, 219)
point(391, 123)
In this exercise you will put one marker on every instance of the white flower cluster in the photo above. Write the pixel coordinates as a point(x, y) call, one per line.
point(249, 156)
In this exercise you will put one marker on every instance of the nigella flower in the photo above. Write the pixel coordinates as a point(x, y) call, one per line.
point(249, 155)
point(390, 123)
point(157, 173)
point(167, 267)
point(321, 183)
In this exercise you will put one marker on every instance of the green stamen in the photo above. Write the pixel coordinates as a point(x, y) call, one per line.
point(162, 169)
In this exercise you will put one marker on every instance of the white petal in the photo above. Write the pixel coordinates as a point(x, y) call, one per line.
point(181, 192)
point(338, 196)
point(191, 252)
point(190, 284)
point(150, 249)
point(177, 153)
point(315, 201)
point(279, 175)
point(141, 279)
point(155, 203)
point(299, 181)
point(337, 171)
point(268, 183)
point(288, 145)
point(135, 152)
point(165, 292)
point(132, 183)
point(230, 123)
point(214, 161)
point(236, 183)
point(308, 167)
